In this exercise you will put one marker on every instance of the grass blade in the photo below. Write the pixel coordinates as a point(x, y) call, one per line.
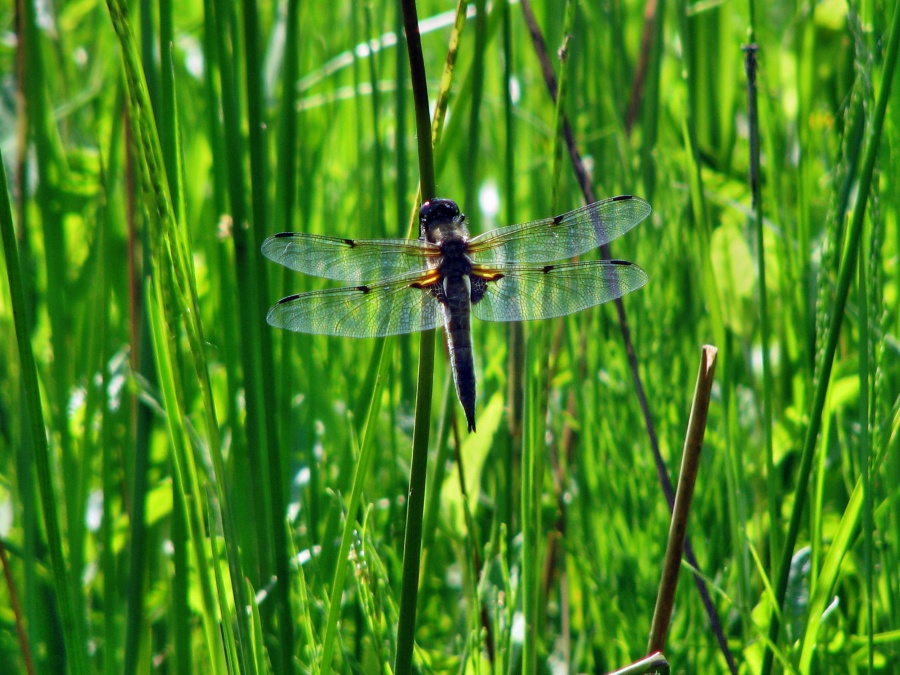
point(72, 624)
point(366, 452)
point(848, 265)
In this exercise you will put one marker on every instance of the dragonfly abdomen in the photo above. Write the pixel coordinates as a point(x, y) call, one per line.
point(458, 324)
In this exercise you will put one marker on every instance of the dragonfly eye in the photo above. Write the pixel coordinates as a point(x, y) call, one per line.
point(438, 211)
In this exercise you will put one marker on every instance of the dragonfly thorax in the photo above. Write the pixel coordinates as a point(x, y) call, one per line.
point(454, 261)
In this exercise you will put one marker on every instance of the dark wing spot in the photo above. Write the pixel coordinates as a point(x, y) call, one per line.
point(283, 234)
point(623, 263)
point(350, 242)
point(548, 268)
point(289, 298)
point(363, 289)
point(623, 198)
point(557, 219)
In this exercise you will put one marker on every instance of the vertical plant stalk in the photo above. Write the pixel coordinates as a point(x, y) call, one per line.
point(516, 358)
point(772, 497)
point(170, 252)
point(359, 477)
point(871, 304)
point(401, 166)
point(534, 447)
point(287, 175)
point(533, 450)
point(141, 362)
point(38, 434)
point(441, 463)
point(847, 269)
point(72, 626)
point(377, 149)
point(109, 459)
point(420, 98)
point(473, 543)
point(443, 97)
point(470, 197)
point(470, 180)
point(39, 126)
point(222, 24)
point(687, 478)
point(651, 16)
point(248, 266)
point(412, 541)
point(515, 350)
point(559, 112)
point(273, 556)
point(185, 476)
point(865, 459)
point(605, 250)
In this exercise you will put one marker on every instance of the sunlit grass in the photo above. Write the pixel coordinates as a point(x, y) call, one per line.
point(190, 509)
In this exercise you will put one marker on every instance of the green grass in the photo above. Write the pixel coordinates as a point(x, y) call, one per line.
point(185, 489)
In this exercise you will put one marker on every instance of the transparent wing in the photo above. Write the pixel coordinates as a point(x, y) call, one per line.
point(348, 259)
point(528, 292)
point(560, 237)
point(399, 305)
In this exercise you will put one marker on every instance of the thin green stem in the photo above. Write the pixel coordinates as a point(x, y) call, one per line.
point(472, 175)
point(72, 631)
point(772, 496)
point(864, 457)
point(259, 380)
point(847, 269)
point(287, 188)
point(412, 541)
point(535, 419)
point(52, 174)
point(170, 254)
point(367, 450)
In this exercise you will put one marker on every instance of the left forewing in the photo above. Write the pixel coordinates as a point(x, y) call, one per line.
point(348, 259)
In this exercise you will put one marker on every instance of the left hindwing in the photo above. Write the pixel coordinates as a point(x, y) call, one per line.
point(529, 292)
point(404, 304)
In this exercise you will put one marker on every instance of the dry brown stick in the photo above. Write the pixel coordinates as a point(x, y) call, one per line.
point(687, 478)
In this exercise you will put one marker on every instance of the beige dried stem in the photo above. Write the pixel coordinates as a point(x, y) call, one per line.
point(690, 464)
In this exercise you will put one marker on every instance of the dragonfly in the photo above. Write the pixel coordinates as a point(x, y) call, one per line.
point(444, 277)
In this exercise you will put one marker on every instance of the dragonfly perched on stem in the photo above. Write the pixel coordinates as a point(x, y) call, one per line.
point(442, 278)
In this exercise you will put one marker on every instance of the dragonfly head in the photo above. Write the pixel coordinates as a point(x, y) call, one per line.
point(440, 220)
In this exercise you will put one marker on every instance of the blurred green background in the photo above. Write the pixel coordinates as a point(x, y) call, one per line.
point(197, 463)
